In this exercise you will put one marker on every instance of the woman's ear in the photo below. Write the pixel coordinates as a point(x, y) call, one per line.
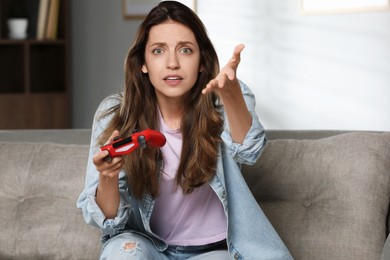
point(201, 68)
point(144, 69)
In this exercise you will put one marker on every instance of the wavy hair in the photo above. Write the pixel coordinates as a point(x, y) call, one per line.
point(201, 124)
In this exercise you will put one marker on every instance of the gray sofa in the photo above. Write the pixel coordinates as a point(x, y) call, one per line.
point(326, 193)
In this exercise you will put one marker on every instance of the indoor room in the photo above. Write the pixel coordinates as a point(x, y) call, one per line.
point(280, 144)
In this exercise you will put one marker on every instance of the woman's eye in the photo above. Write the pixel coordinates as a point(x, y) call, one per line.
point(157, 51)
point(186, 50)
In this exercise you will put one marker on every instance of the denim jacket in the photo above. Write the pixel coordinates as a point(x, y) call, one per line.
point(250, 234)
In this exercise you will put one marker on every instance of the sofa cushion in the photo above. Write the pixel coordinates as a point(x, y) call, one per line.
point(327, 198)
point(40, 183)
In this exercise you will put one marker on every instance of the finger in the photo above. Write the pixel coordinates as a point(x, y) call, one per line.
point(236, 58)
point(222, 80)
point(210, 86)
point(104, 166)
point(115, 164)
point(206, 90)
point(114, 134)
point(98, 159)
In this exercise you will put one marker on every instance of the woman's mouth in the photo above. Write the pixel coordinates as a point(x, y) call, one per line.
point(173, 80)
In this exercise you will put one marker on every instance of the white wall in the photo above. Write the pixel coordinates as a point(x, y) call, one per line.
point(308, 72)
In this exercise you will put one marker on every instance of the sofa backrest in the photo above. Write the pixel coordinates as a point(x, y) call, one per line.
point(40, 183)
point(328, 198)
point(325, 192)
point(60, 136)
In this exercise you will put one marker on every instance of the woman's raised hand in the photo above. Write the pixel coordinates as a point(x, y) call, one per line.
point(226, 81)
point(227, 86)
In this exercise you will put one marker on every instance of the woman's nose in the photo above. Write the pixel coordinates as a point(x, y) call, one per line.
point(173, 62)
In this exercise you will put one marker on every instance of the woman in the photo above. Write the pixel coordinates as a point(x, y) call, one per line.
point(188, 199)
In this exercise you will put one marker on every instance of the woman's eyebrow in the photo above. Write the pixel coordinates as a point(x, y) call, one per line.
point(158, 44)
point(180, 43)
point(185, 43)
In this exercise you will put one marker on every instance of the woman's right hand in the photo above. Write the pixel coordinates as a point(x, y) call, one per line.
point(108, 169)
point(107, 194)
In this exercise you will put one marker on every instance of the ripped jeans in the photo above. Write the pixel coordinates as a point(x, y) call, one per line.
point(134, 246)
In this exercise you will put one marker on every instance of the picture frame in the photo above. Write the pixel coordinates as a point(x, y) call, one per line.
point(138, 9)
point(343, 6)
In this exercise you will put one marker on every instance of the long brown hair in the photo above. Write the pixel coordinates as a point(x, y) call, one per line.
point(201, 125)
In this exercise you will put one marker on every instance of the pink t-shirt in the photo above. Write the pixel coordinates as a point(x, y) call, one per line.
point(194, 219)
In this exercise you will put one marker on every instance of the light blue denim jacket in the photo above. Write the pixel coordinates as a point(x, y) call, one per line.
point(250, 234)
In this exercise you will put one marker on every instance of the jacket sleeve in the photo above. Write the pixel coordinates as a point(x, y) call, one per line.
point(249, 151)
point(87, 199)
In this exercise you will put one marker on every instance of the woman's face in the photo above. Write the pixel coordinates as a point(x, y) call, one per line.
point(172, 60)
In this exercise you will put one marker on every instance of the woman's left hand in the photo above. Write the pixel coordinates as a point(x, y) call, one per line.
point(226, 82)
point(227, 87)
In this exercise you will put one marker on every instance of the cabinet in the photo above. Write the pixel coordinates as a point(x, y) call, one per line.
point(34, 74)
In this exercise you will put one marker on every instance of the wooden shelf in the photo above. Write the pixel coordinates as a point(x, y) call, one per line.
point(34, 111)
point(34, 74)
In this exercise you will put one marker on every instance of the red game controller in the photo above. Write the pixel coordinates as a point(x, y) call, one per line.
point(137, 139)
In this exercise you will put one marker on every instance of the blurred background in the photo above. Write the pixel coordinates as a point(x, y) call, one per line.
point(321, 70)
point(325, 71)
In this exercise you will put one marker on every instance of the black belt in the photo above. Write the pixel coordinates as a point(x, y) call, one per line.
point(220, 245)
